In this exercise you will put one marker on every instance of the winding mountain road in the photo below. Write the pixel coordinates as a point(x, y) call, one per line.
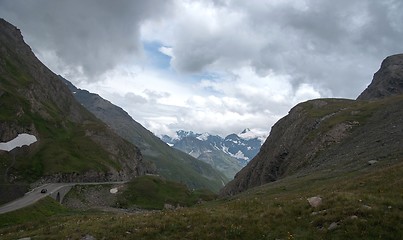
point(35, 194)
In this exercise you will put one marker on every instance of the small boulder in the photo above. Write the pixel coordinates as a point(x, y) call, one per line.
point(332, 226)
point(366, 207)
point(88, 237)
point(168, 206)
point(315, 201)
point(113, 190)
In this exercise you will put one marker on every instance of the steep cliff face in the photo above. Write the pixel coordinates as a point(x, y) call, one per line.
point(72, 143)
point(387, 81)
point(328, 135)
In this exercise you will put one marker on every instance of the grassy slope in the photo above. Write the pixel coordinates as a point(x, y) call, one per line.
point(62, 144)
point(37, 213)
point(366, 204)
point(224, 163)
point(144, 192)
point(150, 192)
point(60, 149)
point(183, 171)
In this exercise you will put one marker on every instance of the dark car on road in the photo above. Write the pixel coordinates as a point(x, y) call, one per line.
point(44, 190)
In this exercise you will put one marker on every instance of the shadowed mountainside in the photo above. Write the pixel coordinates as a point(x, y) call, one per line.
point(334, 135)
point(72, 144)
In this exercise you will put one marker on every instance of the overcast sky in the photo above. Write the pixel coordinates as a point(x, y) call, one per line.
point(214, 66)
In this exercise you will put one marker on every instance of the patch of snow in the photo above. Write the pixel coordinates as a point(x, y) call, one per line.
point(203, 137)
point(21, 140)
point(113, 190)
point(225, 149)
point(240, 155)
point(175, 137)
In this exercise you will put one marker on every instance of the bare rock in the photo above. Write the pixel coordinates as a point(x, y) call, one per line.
point(315, 201)
point(88, 237)
point(366, 207)
point(332, 226)
point(168, 206)
point(387, 81)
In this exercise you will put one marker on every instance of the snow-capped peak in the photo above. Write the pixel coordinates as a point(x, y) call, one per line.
point(253, 133)
point(245, 131)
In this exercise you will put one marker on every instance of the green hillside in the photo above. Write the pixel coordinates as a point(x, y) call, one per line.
point(151, 192)
point(73, 145)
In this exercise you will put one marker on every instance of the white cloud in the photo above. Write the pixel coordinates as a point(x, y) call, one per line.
point(167, 51)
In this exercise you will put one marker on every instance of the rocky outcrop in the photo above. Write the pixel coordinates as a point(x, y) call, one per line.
point(387, 81)
point(293, 143)
point(89, 176)
point(332, 134)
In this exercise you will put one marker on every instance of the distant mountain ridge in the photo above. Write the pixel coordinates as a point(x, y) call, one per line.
point(227, 154)
point(169, 162)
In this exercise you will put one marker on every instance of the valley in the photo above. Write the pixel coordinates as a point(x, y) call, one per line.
point(228, 155)
point(330, 169)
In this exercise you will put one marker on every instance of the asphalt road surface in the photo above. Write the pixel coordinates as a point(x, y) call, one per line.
point(35, 195)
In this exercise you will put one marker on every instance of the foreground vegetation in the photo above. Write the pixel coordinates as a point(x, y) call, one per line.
point(365, 204)
point(152, 192)
point(142, 193)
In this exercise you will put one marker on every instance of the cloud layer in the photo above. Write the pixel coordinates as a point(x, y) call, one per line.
point(217, 66)
point(84, 37)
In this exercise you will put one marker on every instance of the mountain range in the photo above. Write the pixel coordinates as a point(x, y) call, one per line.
point(227, 155)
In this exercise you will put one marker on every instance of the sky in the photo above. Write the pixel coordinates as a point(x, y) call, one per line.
point(216, 66)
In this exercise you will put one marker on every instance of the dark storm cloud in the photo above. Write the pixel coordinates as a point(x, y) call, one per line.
point(89, 36)
point(330, 44)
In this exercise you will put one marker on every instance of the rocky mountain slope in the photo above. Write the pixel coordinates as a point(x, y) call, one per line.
point(228, 154)
point(72, 144)
point(387, 81)
point(170, 163)
point(333, 135)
